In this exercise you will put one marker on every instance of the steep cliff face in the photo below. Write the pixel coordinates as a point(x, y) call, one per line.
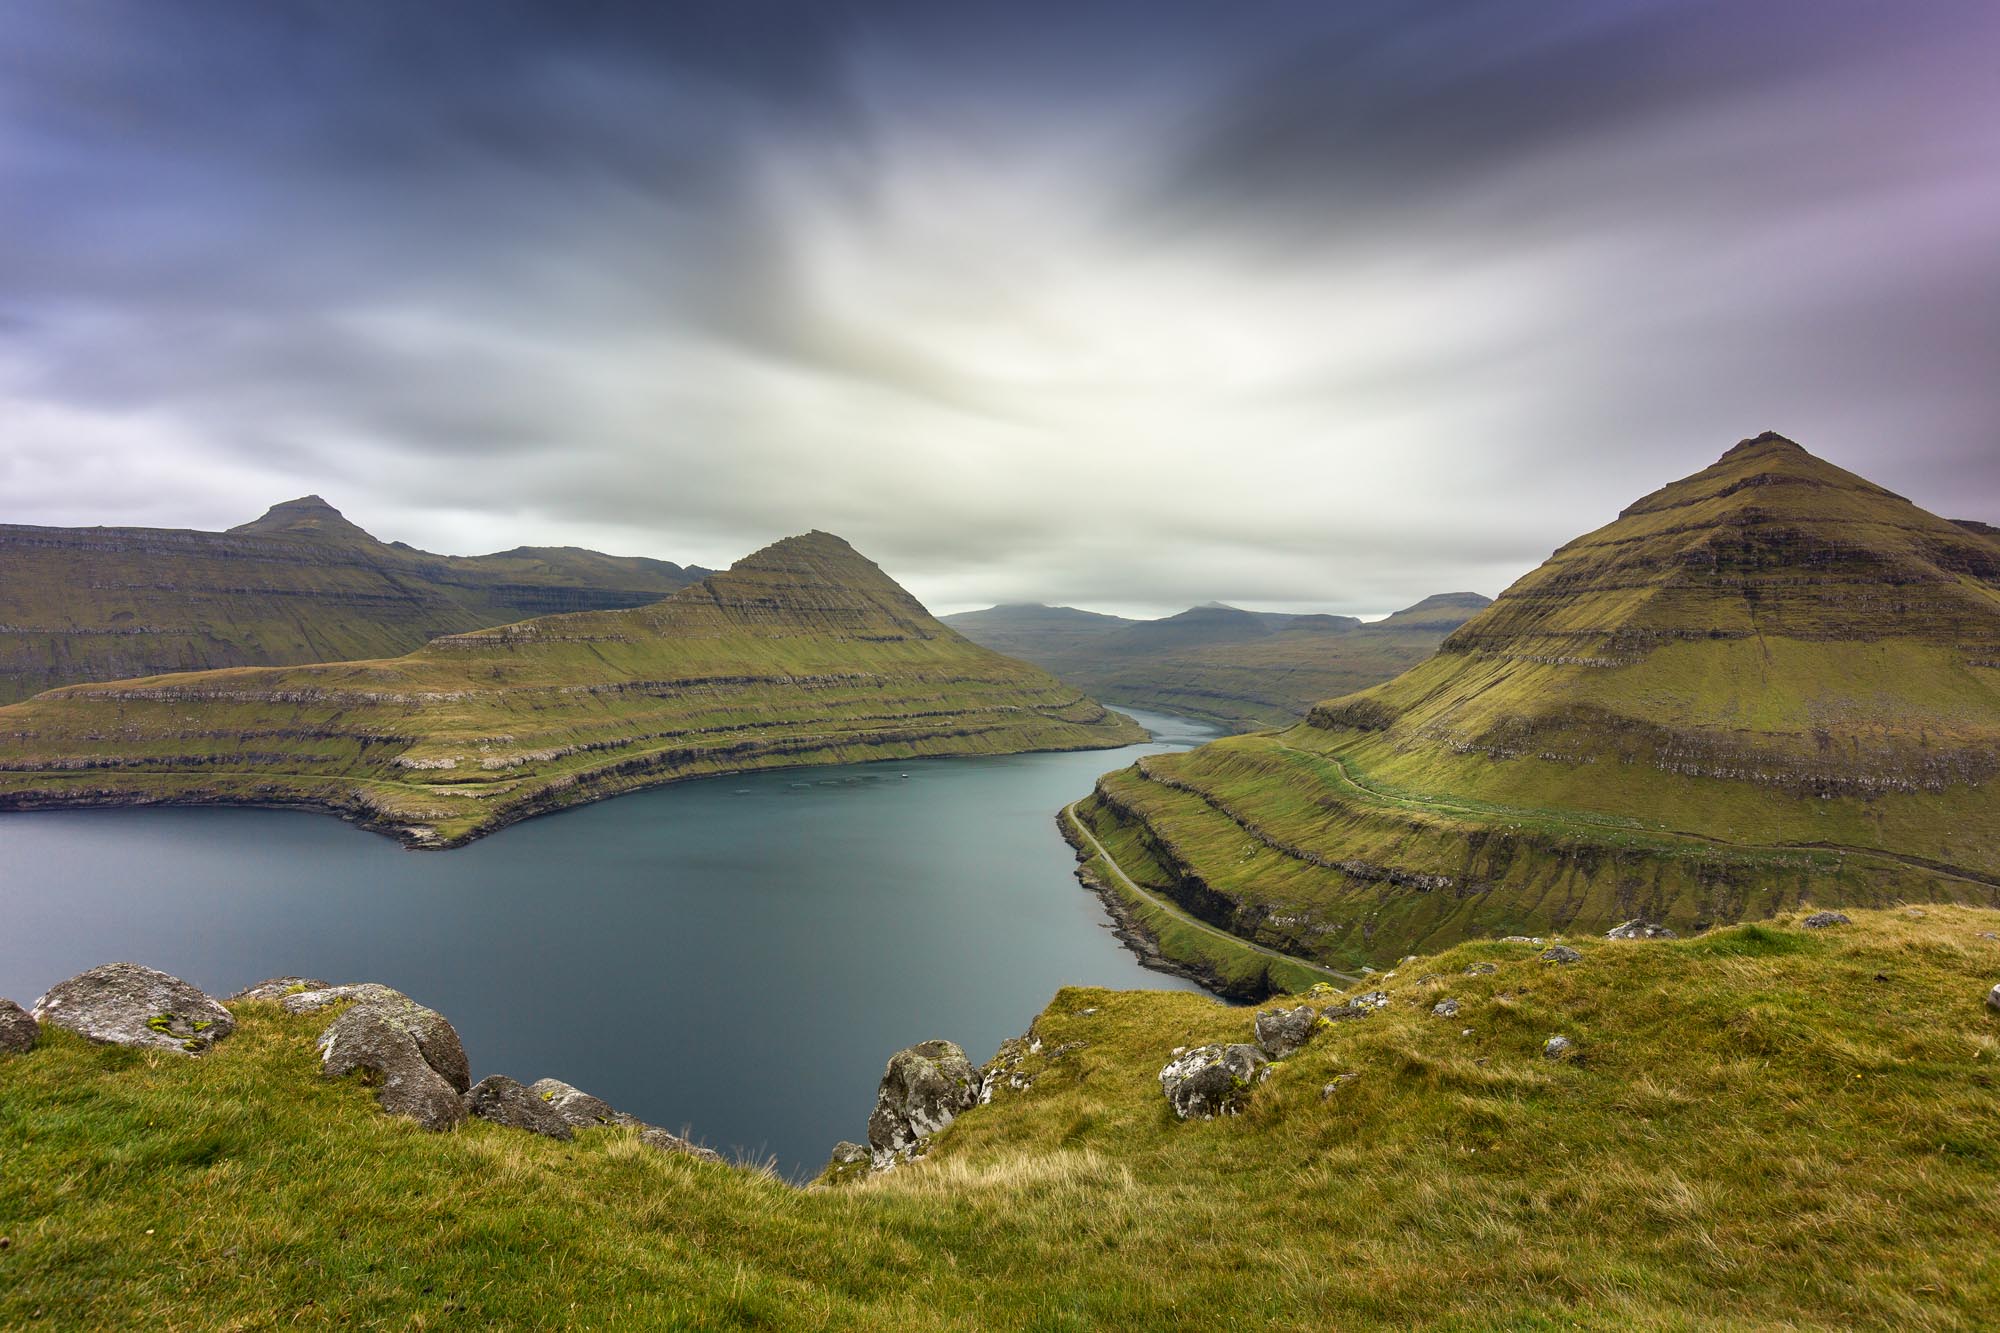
point(802, 653)
point(300, 584)
point(1768, 681)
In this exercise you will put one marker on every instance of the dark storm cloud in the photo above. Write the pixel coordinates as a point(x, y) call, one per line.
point(1134, 305)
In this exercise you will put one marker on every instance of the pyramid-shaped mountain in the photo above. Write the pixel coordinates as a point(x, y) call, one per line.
point(802, 653)
point(1772, 682)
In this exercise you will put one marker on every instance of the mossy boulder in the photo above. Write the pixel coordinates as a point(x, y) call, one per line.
point(1282, 1031)
point(125, 1004)
point(411, 1053)
point(277, 988)
point(504, 1101)
point(1209, 1081)
point(924, 1088)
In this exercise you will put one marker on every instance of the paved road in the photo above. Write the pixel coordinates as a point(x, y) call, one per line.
point(1069, 813)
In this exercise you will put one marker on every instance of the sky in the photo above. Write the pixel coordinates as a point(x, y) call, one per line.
point(1317, 306)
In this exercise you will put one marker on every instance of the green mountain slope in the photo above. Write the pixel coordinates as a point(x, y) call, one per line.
point(802, 653)
point(1243, 669)
point(1771, 681)
point(300, 584)
point(1767, 1127)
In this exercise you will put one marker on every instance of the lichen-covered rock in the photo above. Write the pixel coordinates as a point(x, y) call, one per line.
point(924, 1088)
point(1282, 1031)
point(577, 1108)
point(1638, 928)
point(124, 1004)
point(1557, 1047)
point(1822, 920)
point(1993, 999)
point(505, 1102)
point(1479, 969)
point(18, 1029)
point(661, 1140)
point(277, 988)
point(1212, 1080)
point(393, 1041)
point(1445, 1009)
point(1561, 953)
point(433, 1033)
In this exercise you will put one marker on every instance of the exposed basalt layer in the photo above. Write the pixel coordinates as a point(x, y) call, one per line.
point(1766, 685)
point(802, 653)
point(301, 584)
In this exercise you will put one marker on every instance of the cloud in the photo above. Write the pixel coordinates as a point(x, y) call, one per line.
point(1328, 307)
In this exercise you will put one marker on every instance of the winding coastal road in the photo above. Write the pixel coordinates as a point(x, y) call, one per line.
point(1097, 848)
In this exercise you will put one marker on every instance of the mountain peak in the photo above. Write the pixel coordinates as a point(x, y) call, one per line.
point(307, 516)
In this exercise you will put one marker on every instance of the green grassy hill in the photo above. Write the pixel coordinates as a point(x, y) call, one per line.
point(802, 653)
point(1765, 1127)
point(1242, 669)
point(300, 584)
point(1769, 682)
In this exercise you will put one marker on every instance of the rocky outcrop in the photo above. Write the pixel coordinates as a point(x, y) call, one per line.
point(18, 1029)
point(1282, 1031)
point(1209, 1081)
point(1638, 928)
point(924, 1088)
point(124, 1004)
point(1561, 953)
point(579, 1110)
point(414, 1051)
point(505, 1102)
point(1824, 920)
point(1557, 1048)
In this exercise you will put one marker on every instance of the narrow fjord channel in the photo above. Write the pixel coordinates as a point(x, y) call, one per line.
point(736, 955)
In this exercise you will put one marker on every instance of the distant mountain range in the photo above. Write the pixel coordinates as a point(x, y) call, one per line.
point(300, 584)
point(1244, 669)
point(1771, 683)
point(803, 653)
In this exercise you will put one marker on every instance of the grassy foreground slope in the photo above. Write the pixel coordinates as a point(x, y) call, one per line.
point(802, 653)
point(1242, 669)
point(300, 584)
point(1769, 682)
point(1764, 1127)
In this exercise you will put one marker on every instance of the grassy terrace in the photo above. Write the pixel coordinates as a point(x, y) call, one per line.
point(1762, 1127)
point(804, 653)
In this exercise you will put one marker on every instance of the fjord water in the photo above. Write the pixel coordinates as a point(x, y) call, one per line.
point(739, 956)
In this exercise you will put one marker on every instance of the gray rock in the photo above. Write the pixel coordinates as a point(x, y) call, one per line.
point(432, 1032)
point(1821, 920)
point(413, 1051)
point(847, 1154)
point(1561, 953)
point(1212, 1080)
point(579, 1110)
point(1479, 969)
point(505, 1102)
point(277, 988)
point(1557, 1047)
point(924, 1088)
point(1993, 999)
point(1638, 928)
point(1445, 1009)
point(1522, 939)
point(1339, 1081)
point(312, 1001)
point(660, 1140)
point(1283, 1031)
point(1358, 1007)
point(18, 1029)
point(124, 1004)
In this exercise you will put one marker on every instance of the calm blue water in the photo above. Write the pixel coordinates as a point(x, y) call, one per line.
point(738, 956)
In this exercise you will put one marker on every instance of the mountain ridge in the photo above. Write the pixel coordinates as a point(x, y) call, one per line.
point(802, 652)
